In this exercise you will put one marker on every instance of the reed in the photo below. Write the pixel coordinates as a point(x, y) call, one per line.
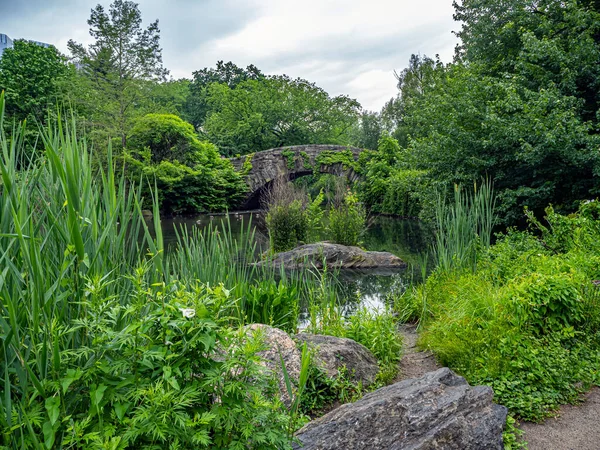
point(464, 226)
point(65, 240)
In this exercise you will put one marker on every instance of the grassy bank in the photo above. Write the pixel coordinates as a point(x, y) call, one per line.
point(523, 315)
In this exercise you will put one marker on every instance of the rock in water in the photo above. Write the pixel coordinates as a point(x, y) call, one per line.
point(334, 256)
point(333, 353)
point(438, 411)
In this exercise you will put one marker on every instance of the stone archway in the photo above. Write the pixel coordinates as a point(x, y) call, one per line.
point(261, 169)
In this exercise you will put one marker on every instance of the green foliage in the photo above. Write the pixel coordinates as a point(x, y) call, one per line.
point(189, 174)
point(331, 157)
point(273, 303)
point(290, 157)
point(518, 106)
point(389, 186)
point(526, 322)
point(287, 226)
point(322, 391)
point(276, 111)
point(102, 347)
point(32, 78)
point(379, 333)
point(347, 221)
point(247, 165)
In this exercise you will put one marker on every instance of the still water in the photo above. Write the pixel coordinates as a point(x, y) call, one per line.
point(404, 238)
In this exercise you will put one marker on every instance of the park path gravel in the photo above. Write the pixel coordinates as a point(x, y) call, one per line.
point(576, 427)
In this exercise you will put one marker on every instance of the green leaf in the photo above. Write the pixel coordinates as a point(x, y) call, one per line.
point(53, 407)
point(49, 434)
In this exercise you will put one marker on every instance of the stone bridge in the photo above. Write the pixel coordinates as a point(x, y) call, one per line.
point(261, 169)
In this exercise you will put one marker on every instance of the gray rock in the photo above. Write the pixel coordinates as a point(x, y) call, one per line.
point(277, 341)
point(333, 353)
point(437, 411)
point(335, 256)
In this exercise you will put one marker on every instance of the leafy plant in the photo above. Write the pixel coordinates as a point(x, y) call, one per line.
point(347, 221)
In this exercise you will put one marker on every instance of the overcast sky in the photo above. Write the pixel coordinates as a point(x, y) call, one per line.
point(345, 46)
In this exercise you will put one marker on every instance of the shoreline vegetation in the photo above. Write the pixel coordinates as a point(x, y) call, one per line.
point(109, 341)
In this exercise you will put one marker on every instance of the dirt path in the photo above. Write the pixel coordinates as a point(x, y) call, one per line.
point(575, 428)
point(414, 363)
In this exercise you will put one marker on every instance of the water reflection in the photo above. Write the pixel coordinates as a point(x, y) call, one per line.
point(404, 238)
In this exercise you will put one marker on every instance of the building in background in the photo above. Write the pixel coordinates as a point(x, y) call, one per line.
point(6, 42)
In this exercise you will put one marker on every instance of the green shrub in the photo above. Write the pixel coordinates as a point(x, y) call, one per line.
point(190, 175)
point(526, 321)
point(347, 221)
point(287, 226)
point(292, 218)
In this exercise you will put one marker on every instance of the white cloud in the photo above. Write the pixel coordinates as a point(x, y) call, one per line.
point(345, 46)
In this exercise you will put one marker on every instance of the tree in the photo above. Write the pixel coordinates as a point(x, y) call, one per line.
point(197, 106)
point(191, 176)
point(115, 66)
point(415, 81)
point(31, 76)
point(169, 138)
point(274, 112)
point(368, 130)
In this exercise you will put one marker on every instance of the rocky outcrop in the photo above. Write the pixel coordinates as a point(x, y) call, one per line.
point(332, 353)
point(437, 411)
point(334, 256)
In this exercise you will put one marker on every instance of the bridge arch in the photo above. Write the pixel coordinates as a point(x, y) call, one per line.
point(261, 169)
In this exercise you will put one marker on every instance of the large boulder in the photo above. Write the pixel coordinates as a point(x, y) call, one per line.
point(278, 342)
point(437, 411)
point(333, 353)
point(334, 256)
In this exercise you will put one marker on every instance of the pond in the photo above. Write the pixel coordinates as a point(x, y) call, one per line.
point(407, 239)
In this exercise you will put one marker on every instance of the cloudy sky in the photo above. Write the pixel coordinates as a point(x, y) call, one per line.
point(345, 46)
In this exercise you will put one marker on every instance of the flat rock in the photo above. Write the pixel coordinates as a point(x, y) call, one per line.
point(437, 411)
point(333, 353)
point(334, 256)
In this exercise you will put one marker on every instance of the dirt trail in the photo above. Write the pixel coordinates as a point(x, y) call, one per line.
point(414, 363)
point(575, 428)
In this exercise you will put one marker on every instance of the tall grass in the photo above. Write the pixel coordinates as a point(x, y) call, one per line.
point(464, 226)
point(65, 235)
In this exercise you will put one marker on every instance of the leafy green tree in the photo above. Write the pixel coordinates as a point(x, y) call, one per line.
point(197, 106)
point(115, 66)
point(368, 130)
point(532, 143)
point(32, 77)
point(278, 111)
point(168, 137)
point(420, 77)
point(190, 174)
